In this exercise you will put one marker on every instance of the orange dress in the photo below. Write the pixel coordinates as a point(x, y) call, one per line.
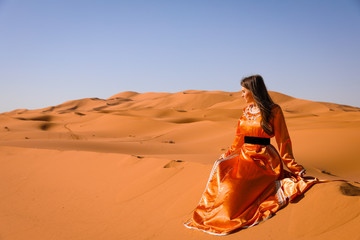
point(248, 184)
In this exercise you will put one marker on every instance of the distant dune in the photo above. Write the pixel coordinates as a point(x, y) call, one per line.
point(133, 166)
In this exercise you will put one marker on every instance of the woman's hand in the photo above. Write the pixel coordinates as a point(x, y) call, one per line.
point(227, 153)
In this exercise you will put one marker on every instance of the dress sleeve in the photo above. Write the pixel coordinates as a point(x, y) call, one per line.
point(284, 143)
point(239, 138)
point(238, 141)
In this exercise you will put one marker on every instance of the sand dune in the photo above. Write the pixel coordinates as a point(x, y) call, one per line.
point(133, 166)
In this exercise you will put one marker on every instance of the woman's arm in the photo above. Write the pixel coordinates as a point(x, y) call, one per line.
point(284, 143)
point(238, 141)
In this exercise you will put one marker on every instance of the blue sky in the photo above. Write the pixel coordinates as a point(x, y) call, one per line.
point(55, 51)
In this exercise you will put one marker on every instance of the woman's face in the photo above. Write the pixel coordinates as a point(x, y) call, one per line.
point(247, 95)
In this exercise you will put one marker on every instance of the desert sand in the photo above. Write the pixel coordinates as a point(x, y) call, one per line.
point(134, 166)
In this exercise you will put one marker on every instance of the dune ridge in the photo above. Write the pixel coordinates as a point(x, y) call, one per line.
point(133, 166)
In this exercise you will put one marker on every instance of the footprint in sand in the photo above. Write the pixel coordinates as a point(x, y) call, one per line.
point(349, 189)
point(174, 164)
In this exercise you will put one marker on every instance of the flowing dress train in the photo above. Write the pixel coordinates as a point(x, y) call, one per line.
point(248, 184)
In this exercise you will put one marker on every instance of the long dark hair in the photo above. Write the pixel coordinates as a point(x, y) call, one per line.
point(256, 85)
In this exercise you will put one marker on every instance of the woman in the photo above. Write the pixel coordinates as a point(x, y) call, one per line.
point(248, 184)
